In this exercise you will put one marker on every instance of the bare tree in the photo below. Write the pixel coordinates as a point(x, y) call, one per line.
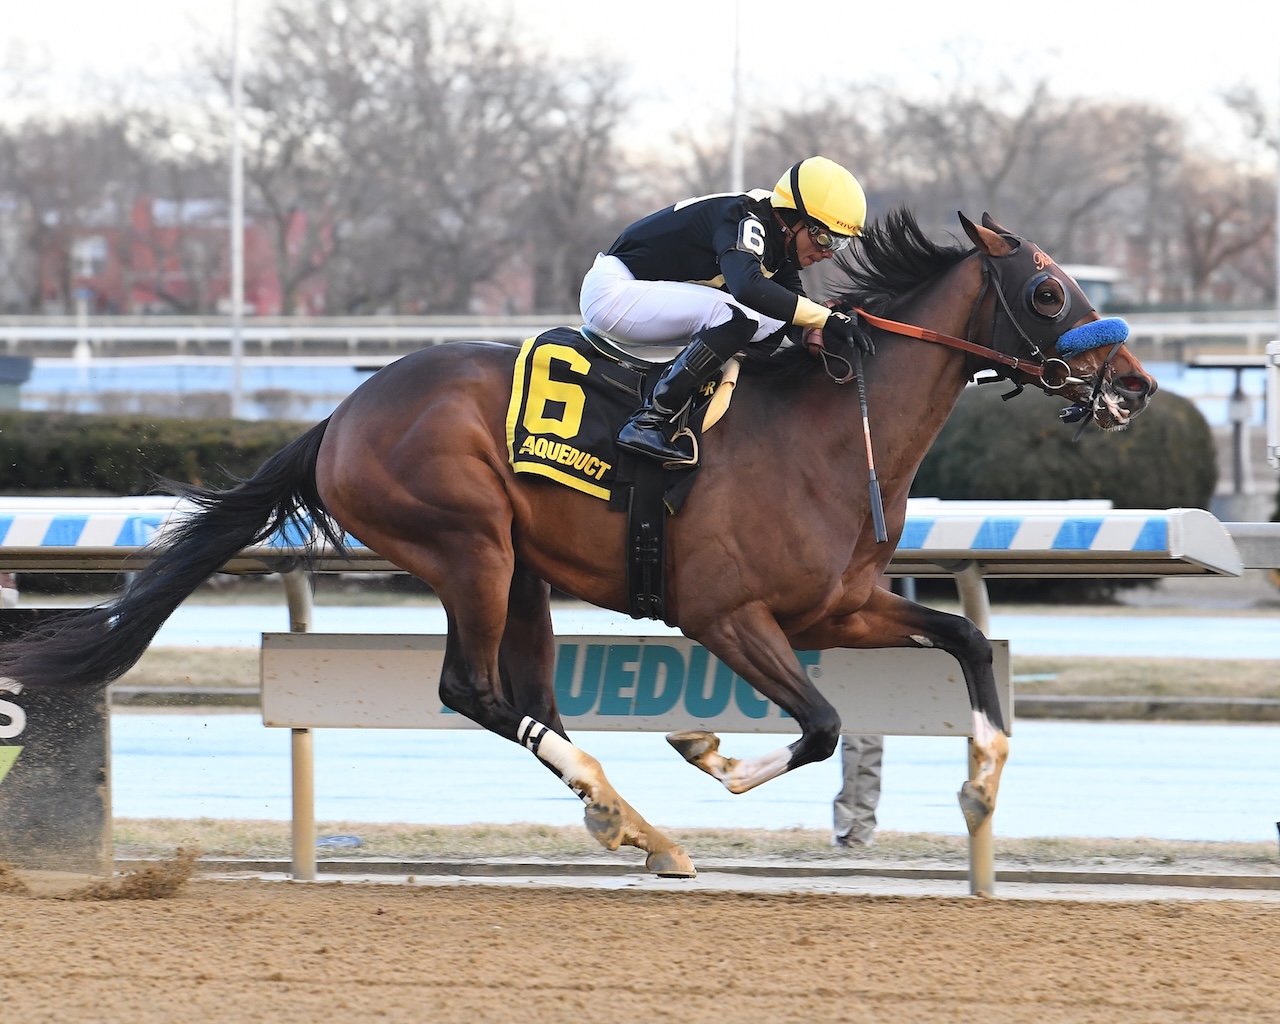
point(307, 96)
point(576, 206)
point(1224, 215)
point(410, 152)
point(64, 180)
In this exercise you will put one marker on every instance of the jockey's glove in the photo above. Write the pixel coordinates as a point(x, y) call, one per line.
point(841, 332)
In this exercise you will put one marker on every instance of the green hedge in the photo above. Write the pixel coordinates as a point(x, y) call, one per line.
point(1018, 450)
point(994, 450)
point(43, 453)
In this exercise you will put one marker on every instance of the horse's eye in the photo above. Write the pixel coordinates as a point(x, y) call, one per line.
point(1048, 298)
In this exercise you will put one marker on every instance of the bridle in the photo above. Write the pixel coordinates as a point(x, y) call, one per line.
point(1011, 278)
point(1050, 373)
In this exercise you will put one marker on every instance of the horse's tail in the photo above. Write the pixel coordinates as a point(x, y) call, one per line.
point(93, 646)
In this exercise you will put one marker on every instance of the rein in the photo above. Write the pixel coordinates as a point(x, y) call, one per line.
point(1061, 373)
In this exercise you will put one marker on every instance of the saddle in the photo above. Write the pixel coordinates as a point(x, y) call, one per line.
point(572, 391)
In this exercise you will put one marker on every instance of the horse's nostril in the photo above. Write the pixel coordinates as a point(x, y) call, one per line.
point(1133, 385)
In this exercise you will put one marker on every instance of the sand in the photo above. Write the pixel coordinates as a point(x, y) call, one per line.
point(250, 950)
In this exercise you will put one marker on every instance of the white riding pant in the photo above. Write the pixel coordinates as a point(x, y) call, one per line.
point(657, 312)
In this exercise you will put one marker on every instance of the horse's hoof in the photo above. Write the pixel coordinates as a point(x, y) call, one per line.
point(694, 744)
point(604, 821)
point(975, 805)
point(671, 863)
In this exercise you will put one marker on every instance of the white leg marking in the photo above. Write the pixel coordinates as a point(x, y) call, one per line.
point(992, 748)
point(923, 641)
point(983, 730)
point(752, 771)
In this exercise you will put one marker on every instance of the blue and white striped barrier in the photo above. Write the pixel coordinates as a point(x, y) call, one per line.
point(1055, 539)
point(1003, 539)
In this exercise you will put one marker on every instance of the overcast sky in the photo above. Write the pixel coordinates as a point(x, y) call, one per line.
point(679, 53)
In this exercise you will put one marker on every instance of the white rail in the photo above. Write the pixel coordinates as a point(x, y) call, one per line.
point(941, 538)
point(90, 340)
point(107, 337)
point(967, 540)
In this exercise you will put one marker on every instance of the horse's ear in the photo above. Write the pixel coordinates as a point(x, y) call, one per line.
point(985, 238)
point(989, 221)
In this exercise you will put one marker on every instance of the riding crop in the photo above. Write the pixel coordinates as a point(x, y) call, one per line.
point(877, 504)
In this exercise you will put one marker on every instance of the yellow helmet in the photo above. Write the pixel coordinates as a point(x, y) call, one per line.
point(822, 190)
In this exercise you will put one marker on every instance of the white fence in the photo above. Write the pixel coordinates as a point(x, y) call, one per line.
point(968, 541)
point(103, 337)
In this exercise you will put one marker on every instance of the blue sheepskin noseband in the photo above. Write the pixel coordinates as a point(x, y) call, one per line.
point(1091, 335)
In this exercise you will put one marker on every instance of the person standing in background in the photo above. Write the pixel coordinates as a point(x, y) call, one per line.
point(854, 809)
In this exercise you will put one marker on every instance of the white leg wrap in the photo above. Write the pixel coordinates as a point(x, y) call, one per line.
point(549, 747)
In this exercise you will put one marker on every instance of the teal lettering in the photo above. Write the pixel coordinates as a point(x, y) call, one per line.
point(749, 702)
point(619, 681)
point(658, 660)
point(573, 704)
point(697, 701)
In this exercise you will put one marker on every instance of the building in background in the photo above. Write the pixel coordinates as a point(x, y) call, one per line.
point(169, 257)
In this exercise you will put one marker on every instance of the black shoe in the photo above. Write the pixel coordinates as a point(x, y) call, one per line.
point(850, 841)
point(645, 434)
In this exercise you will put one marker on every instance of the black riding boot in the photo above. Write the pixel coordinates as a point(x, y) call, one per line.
point(646, 432)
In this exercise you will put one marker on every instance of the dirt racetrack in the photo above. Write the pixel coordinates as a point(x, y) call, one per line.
point(231, 951)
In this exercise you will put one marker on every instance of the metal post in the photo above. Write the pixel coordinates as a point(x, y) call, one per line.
point(302, 756)
point(1240, 412)
point(976, 605)
point(297, 588)
point(974, 601)
point(1273, 403)
point(1271, 388)
point(297, 591)
point(237, 217)
point(736, 175)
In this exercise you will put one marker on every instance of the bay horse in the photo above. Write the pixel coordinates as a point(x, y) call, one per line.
point(773, 552)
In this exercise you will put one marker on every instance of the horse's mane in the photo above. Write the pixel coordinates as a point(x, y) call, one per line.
point(893, 256)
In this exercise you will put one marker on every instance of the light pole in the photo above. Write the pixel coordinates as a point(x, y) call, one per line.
point(237, 217)
point(736, 179)
point(1271, 397)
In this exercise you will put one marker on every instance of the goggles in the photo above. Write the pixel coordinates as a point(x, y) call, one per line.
point(826, 239)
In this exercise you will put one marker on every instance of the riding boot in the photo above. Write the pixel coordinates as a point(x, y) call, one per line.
point(646, 433)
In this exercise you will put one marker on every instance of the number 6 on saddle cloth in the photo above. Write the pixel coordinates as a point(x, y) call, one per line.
point(571, 392)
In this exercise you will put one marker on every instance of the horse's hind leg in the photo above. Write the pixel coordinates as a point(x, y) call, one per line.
point(494, 606)
point(887, 620)
point(527, 656)
point(527, 665)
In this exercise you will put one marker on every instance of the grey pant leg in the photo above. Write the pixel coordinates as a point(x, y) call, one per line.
point(854, 810)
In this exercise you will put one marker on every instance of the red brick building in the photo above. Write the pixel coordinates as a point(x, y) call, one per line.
point(170, 257)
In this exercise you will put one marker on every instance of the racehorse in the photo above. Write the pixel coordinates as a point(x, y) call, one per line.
point(774, 550)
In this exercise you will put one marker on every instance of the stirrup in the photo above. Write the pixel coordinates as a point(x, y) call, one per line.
point(692, 460)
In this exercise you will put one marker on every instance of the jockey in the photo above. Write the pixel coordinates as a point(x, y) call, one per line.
point(724, 270)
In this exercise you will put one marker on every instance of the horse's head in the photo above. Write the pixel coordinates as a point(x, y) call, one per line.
point(1042, 315)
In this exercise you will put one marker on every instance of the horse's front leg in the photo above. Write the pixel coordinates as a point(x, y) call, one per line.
point(887, 620)
point(750, 641)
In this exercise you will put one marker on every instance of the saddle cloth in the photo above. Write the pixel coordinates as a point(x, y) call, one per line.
point(569, 396)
